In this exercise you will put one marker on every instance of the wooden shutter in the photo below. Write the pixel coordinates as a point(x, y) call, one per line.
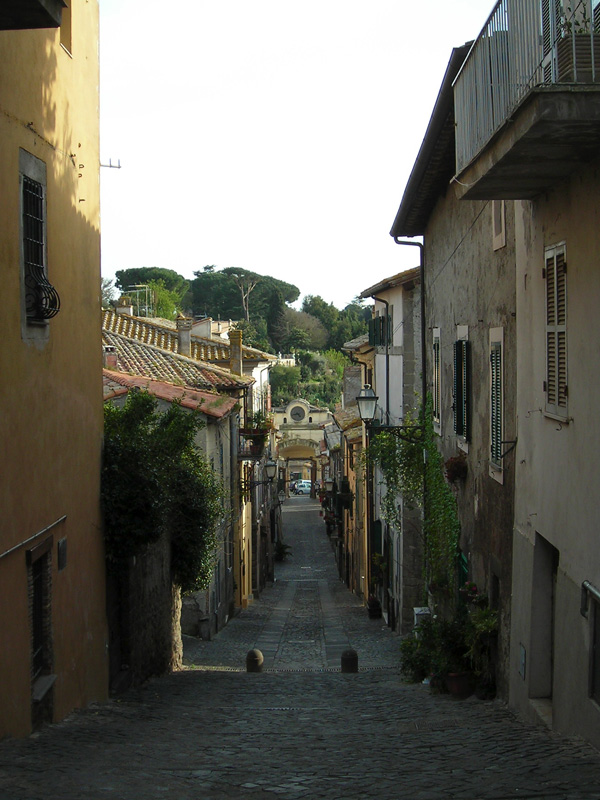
point(556, 387)
point(461, 404)
point(436, 379)
point(496, 403)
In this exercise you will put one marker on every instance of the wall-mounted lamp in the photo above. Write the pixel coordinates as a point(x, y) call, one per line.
point(270, 470)
point(367, 403)
point(367, 406)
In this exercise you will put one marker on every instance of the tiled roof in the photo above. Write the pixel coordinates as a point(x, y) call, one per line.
point(161, 334)
point(137, 358)
point(355, 344)
point(214, 405)
point(348, 418)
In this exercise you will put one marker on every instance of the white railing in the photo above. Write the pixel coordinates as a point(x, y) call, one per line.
point(524, 43)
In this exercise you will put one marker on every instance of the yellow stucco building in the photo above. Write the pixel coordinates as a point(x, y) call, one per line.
point(53, 635)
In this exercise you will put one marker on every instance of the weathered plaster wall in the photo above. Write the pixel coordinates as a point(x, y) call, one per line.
point(51, 404)
point(556, 502)
point(468, 283)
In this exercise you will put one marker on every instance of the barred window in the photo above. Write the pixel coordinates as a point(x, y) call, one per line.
point(41, 300)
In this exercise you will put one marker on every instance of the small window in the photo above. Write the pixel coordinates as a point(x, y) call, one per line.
point(65, 27)
point(498, 224)
point(555, 385)
point(496, 402)
point(40, 298)
point(40, 590)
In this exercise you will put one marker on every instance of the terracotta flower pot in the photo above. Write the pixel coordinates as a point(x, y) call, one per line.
point(459, 684)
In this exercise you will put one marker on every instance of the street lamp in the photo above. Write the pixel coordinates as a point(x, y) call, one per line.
point(270, 470)
point(367, 403)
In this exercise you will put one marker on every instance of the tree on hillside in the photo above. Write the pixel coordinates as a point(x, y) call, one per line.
point(165, 303)
point(254, 334)
point(327, 313)
point(246, 284)
point(302, 330)
point(220, 294)
point(142, 276)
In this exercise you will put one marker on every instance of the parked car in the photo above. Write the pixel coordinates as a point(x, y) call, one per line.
point(303, 487)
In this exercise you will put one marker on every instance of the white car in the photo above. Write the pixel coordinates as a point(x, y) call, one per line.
point(303, 487)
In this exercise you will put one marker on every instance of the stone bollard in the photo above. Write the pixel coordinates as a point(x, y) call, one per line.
point(254, 661)
point(350, 661)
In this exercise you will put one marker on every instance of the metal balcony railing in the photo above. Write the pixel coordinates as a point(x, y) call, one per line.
point(524, 44)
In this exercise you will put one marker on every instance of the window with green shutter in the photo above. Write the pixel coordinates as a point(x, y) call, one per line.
point(496, 403)
point(380, 331)
point(555, 385)
point(461, 405)
point(436, 388)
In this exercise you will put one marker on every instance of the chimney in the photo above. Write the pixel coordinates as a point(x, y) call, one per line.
point(184, 331)
point(109, 353)
point(236, 364)
point(124, 306)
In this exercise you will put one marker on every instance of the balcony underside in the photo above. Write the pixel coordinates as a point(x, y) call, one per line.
point(552, 132)
point(28, 14)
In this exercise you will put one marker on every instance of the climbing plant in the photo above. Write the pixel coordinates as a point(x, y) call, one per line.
point(412, 466)
point(400, 462)
point(155, 480)
point(440, 517)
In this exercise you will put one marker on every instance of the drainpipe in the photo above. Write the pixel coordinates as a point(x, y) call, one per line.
point(387, 356)
point(423, 357)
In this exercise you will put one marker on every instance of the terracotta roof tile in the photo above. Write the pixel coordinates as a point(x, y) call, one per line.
point(137, 358)
point(348, 418)
point(163, 334)
point(209, 403)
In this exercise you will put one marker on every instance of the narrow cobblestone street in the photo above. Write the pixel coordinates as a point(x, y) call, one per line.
point(300, 729)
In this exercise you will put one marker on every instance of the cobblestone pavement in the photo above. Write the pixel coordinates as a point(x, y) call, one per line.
point(300, 729)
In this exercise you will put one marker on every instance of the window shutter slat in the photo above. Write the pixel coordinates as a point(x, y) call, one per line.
point(496, 403)
point(556, 331)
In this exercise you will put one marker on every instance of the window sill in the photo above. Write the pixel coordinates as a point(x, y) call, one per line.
point(42, 686)
point(557, 417)
point(496, 473)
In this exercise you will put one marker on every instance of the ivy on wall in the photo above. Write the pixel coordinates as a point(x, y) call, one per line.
point(155, 480)
point(413, 467)
point(440, 517)
point(400, 462)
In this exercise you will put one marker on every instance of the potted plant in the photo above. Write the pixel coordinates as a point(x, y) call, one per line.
point(373, 607)
point(481, 638)
point(456, 468)
point(282, 550)
point(255, 431)
point(574, 47)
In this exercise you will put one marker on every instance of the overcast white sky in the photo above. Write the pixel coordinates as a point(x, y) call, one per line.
point(272, 135)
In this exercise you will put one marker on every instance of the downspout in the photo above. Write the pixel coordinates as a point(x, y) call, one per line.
point(423, 361)
point(387, 357)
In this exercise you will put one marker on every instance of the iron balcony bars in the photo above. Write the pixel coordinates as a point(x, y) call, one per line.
point(524, 44)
